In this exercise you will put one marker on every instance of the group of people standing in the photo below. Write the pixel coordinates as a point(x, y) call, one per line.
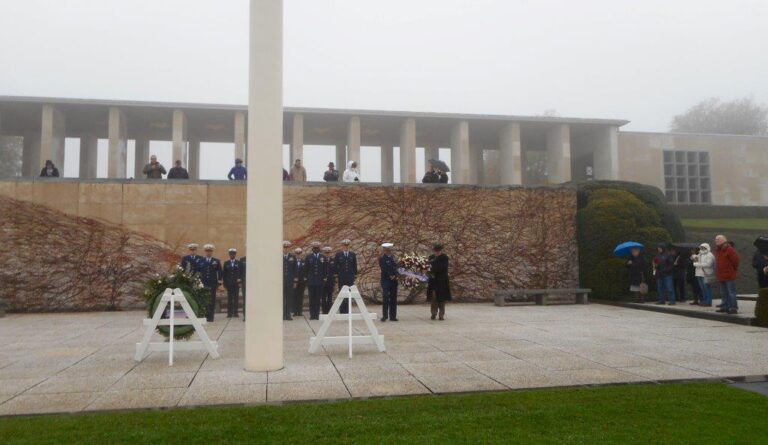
point(298, 173)
point(674, 268)
point(320, 272)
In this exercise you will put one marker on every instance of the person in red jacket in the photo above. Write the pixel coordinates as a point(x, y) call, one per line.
point(726, 270)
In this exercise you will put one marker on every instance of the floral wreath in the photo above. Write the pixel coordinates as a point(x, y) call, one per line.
point(189, 283)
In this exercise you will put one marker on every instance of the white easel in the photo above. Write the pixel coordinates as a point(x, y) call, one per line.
point(373, 337)
point(170, 298)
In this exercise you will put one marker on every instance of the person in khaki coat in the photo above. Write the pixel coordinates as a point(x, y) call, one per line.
point(298, 172)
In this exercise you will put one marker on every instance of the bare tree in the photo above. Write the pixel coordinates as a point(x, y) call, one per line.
point(740, 116)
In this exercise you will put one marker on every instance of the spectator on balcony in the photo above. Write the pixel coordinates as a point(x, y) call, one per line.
point(331, 175)
point(351, 174)
point(154, 170)
point(49, 171)
point(238, 172)
point(286, 176)
point(298, 172)
point(178, 172)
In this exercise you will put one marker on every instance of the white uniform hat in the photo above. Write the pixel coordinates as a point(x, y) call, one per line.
point(327, 249)
point(192, 246)
point(346, 242)
point(387, 245)
point(298, 250)
point(315, 243)
point(232, 249)
point(209, 247)
point(287, 244)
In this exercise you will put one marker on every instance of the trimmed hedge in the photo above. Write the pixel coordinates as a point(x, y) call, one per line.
point(609, 217)
point(650, 196)
point(761, 308)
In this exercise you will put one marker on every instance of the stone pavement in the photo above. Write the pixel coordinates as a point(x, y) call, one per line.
point(84, 362)
point(745, 315)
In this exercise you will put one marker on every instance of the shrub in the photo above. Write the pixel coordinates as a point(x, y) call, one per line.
point(650, 196)
point(612, 216)
point(761, 308)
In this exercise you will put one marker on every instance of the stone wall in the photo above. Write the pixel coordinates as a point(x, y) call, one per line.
point(495, 236)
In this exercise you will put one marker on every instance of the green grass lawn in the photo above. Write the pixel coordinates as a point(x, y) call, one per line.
point(642, 414)
point(727, 224)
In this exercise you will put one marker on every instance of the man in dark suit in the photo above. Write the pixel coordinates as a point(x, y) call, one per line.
point(317, 268)
point(242, 280)
point(301, 283)
point(346, 269)
point(289, 279)
point(190, 261)
point(330, 280)
point(231, 276)
point(210, 274)
point(49, 171)
point(388, 266)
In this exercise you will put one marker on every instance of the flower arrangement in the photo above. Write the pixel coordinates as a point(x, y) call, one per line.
point(189, 283)
point(414, 271)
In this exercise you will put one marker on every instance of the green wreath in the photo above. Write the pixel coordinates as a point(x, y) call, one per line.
point(192, 288)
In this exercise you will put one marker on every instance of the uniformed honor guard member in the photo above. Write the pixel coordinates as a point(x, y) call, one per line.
point(232, 273)
point(190, 261)
point(210, 274)
point(330, 280)
point(317, 268)
point(388, 265)
point(346, 270)
point(289, 279)
point(301, 283)
point(242, 281)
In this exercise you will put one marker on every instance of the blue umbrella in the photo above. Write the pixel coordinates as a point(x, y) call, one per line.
point(624, 249)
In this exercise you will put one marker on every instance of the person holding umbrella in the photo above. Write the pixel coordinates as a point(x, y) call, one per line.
point(637, 266)
point(437, 172)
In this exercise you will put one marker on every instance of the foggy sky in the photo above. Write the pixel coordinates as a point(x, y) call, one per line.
point(641, 61)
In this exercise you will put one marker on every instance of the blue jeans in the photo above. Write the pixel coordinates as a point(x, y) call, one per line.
point(665, 285)
point(706, 291)
point(729, 295)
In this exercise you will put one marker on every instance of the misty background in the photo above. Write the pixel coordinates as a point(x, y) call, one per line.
point(642, 61)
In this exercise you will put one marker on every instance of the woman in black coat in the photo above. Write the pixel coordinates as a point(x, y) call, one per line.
point(638, 274)
point(439, 290)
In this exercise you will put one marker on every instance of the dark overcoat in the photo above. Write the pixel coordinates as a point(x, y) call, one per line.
point(439, 282)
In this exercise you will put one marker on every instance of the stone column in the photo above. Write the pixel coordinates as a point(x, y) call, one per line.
point(89, 153)
point(431, 151)
point(341, 158)
point(297, 138)
point(118, 144)
point(510, 155)
point(141, 157)
point(180, 139)
point(387, 165)
point(52, 138)
point(194, 159)
point(408, 151)
point(559, 154)
point(240, 134)
point(605, 158)
point(30, 160)
point(460, 168)
point(477, 166)
point(264, 325)
point(353, 141)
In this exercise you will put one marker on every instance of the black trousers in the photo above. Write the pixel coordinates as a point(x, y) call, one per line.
point(389, 309)
point(327, 298)
point(315, 295)
point(287, 300)
point(244, 300)
point(344, 308)
point(679, 279)
point(233, 295)
point(298, 299)
point(211, 304)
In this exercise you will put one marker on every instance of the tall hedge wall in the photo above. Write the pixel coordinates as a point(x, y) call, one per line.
point(606, 218)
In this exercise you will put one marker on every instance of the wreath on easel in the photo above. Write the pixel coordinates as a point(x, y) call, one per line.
point(196, 294)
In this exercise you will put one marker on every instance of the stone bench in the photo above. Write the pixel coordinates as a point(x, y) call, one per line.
point(501, 297)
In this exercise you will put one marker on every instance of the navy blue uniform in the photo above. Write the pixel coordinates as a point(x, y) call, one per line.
point(242, 281)
point(301, 284)
point(289, 278)
point(388, 265)
point(231, 274)
point(346, 270)
point(317, 268)
point(330, 284)
point(190, 263)
point(210, 275)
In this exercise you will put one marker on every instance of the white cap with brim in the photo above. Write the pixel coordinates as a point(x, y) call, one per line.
point(387, 245)
point(192, 246)
point(232, 250)
point(209, 247)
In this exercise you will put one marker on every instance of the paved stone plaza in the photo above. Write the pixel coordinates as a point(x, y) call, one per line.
point(77, 362)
